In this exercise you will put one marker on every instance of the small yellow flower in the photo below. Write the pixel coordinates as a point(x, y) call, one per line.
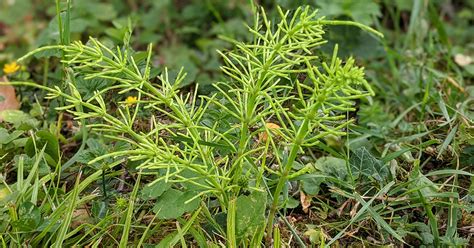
point(11, 68)
point(131, 100)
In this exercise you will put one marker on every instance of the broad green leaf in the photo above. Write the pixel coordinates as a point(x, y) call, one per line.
point(6, 137)
point(311, 186)
point(180, 56)
point(332, 166)
point(361, 10)
point(29, 217)
point(154, 190)
point(13, 12)
point(19, 119)
point(422, 183)
point(44, 138)
point(250, 213)
point(98, 10)
point(427, 238)
point(363, 163)
point(292, 203)
point(172, 204)
point(315, 236)
point(88, 87)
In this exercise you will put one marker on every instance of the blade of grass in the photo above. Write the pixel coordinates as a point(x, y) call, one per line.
point(69, 213)
point(403, 114)
point(181, 237)
point(444, 110)
point(293, 231)
point(56, 215)
point(257, 237)
point(447, 141)
point(32, 173)
point(199, 237)
point(171, 242)
point(431, 219)
point(396, 154)
point(415, 16)
point(128, 220)
point(67, 24)
point(449, 172)
point(144, 235)
point(380, 221)
point(453, 210)
point(364, 208)
point(60, 20)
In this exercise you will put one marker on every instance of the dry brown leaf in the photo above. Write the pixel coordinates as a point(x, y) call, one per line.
point(354, 209)
point(263, 136)
point(305, 201)
point(462, 60)
point(80, 216)
point(340, 210)
point(7, 97)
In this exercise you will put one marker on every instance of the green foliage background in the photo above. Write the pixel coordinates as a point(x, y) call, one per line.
point(402, 172)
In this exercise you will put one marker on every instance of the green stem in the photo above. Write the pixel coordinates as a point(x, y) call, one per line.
point(301, 134)
point(41, 49)
point(253, 93)
point(60, 20)
point(45, 71)
point(351, 23)
point(283, 178)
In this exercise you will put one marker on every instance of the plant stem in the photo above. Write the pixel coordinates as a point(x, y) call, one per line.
point(351, 23)
point(302, 132)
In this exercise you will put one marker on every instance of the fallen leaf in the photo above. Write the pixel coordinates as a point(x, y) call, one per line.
point(305, 201)
point(80, 216)
point(342, 207)
point(462, 60)
point(353, 211)
point(263, 136)
point(8, 99)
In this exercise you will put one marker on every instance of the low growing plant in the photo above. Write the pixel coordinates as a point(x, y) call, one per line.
point(231, 153)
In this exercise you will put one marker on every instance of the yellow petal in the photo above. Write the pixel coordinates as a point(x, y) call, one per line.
point(131, 100)
point(11, 68)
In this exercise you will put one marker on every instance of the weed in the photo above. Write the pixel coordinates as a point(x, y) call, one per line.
point(264, 151)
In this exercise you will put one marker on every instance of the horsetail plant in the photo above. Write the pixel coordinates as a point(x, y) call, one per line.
point(276, 78)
